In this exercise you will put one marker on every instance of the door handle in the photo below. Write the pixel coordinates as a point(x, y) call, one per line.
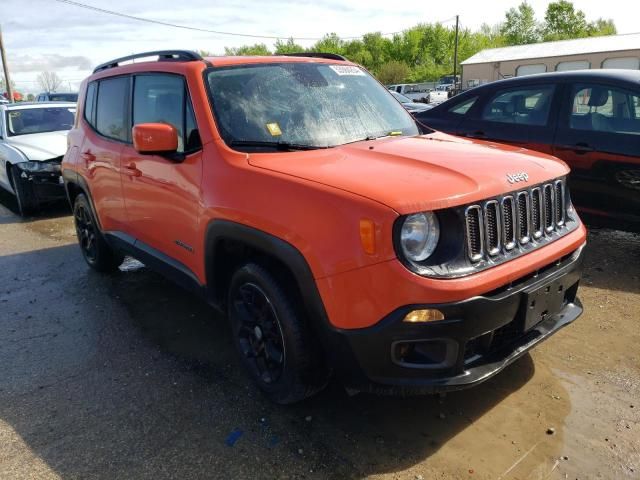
point(132, 170)
point(579, 148)
point(88, 157)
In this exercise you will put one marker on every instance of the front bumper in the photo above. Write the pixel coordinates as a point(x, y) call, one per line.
point(478, 338)
point(45, 186)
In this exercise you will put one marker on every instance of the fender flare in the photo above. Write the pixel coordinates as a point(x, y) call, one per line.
point(270, 245)
point(71, 177)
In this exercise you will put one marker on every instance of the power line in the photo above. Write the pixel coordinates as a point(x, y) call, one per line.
point(205, 30)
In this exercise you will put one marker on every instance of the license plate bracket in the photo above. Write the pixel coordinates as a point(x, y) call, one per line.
point(542, 302)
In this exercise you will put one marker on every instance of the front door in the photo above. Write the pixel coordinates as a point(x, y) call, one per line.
point(599, 137)
point(518, 116)
point(162, 194)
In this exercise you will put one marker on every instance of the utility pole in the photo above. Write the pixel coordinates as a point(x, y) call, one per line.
point(7, 80)
point(455, 59)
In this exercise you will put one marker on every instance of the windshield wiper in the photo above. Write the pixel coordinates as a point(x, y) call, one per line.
point(284, 146)
point(376, 137)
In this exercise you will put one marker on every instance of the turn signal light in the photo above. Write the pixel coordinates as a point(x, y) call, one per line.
point(368, 236)
point(423, 316)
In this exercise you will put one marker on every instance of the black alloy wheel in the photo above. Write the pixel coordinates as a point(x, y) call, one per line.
point(95, 250)
point(86, 231)
point(258, 333)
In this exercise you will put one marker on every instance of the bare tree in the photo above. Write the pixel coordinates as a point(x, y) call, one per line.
point(49, 81)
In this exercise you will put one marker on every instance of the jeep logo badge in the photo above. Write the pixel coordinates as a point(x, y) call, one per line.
point(517, 177)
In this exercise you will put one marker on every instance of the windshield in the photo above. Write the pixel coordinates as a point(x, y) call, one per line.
point(63, 97)
point(39, 120)
point(303, 104)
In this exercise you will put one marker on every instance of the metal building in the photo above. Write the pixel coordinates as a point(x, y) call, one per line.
point(614, 51)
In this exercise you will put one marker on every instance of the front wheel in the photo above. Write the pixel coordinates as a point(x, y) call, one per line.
point(273, 338)
point(25, 197)
point(95, 250)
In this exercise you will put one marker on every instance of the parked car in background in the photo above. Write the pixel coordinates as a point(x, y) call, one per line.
point(295, 194)
point(57, 97)
point(409, 105)
point(439, 95)
point(588, 118)
point(33, 140)
point(417, 92)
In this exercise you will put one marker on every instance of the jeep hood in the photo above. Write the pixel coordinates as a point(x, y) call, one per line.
point(41, 146)
point(412, 174)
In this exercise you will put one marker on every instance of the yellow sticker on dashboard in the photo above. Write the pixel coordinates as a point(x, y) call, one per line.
point(274, 129)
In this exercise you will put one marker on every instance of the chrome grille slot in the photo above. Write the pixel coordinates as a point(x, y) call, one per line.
point(537, 212)
point(475, 241)
point(559, 214)
point(548, 194)
point(508, 222)
point(524, 218)
point(492, 227)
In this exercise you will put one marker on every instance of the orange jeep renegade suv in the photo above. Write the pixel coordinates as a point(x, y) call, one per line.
point(296, 194)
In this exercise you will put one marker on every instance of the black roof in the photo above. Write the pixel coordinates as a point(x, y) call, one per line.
point(632, 76)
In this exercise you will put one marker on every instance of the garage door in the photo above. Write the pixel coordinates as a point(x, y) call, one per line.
point(523, 70)
point(626, 62)
point(577, 65)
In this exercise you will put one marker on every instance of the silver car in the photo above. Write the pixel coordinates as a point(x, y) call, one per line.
point(33, 140)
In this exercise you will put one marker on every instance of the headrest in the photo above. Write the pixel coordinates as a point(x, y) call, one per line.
point(598, 97)
point(519, 103)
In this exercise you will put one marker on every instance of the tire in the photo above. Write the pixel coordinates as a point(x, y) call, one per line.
point(273, 338)
point(95, 250)
point(25, 198)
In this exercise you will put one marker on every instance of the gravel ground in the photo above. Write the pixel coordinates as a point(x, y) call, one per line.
point(127, 376)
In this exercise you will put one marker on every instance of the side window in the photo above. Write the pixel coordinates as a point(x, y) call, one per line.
point(602, 108)
point(463, 107)
point(89, 104)
point(111, 108)
point(163, 99)
point(522, 106)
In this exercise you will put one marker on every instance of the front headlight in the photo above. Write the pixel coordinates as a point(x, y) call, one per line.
point(39, 166)
point(419, 236)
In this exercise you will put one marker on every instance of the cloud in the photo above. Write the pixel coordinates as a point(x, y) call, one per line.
point(51, 62)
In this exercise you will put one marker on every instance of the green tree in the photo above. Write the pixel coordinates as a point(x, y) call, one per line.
point(520, 26)
point(290, 46)
point(393, 71)
point(330, 43)
point(602, 27)
point(562, 21)
point(257, 49)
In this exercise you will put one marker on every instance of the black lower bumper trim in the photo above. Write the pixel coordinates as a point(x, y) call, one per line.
point(478, 338)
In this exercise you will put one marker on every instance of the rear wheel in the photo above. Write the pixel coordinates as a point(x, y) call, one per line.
point(273, 338)
point(95, 250)
point(25, 198)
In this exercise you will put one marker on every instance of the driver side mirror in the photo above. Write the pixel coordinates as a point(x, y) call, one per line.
point(155, 138)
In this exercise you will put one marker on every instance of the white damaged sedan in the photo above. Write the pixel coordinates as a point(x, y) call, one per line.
point(33, 140)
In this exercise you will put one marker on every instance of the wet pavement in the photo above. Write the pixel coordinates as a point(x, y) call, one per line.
point(128, 376)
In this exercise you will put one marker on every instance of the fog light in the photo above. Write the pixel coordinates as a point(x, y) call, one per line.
point(426, 315)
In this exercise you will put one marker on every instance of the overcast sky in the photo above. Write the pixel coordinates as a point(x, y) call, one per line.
point(48, 35)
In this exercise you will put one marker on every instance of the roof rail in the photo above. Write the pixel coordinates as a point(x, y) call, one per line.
point(163, 56)
point(330, 56)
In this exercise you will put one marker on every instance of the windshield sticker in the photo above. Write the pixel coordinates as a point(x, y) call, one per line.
point(274, 129)
point(14, 114)
point(346, 70)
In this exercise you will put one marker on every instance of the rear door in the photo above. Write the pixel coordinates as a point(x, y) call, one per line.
point(520, 116)
point(107, 114)
point(599, 137)
point(162, 194)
